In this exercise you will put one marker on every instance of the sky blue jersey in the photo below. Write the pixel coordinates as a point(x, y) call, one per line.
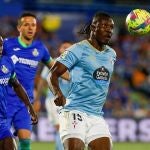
point(91, 71)
point(64, 84)
point(6, 73)
point(27, 59)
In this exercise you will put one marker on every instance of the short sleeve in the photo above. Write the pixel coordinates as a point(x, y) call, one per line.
point(5, 47)
point(46, 57)
point(13, 73)
point(71, 56)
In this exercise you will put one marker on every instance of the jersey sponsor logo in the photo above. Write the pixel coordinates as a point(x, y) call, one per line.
point(35, 52)
point(14, 59)
point(29, 62)
point(101, 74)
point(4, 81)
point(4, 69)
point(25, 61)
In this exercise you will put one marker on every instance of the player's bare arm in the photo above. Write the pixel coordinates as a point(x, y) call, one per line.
point(37, 103)
point(24, 97)
point(56, 71)
point(65, 75)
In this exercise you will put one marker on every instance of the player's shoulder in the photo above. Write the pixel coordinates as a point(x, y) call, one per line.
point(82, 43)
point(7, 59)
point(78, 45)
point(10, 40)
point(111, 50)
point(38, 42)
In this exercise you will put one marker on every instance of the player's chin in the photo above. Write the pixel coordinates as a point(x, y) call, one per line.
point(106, 41)
point(29, 37)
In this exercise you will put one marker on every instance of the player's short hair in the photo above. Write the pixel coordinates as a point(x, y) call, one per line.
point(26, 14)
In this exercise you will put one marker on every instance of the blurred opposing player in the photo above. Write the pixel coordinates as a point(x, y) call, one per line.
point(52, 109)
point(28, 53)
point(8, 76)
point(91, 62)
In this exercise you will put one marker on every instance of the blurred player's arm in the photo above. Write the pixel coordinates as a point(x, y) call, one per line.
point(38, 92)
point(20, 91)
point(56, 71)
point(39, 88)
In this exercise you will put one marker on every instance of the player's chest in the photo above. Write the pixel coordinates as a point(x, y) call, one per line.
point(30, 53)
point(97, 61)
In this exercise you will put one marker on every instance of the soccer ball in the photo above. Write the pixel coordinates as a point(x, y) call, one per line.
point(138, 22)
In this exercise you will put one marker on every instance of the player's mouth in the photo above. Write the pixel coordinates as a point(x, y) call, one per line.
point(30, 33)
point(107, 38)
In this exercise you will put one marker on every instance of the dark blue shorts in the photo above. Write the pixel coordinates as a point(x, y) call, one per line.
point(19, 117)
point(4, 130)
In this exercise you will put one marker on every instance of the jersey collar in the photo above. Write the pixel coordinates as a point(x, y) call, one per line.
point(22, 43)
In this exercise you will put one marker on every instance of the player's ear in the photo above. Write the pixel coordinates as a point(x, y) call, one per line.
point(18, 27)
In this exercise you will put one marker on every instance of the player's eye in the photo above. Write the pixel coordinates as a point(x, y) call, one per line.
point(26, 24)
point(33, 25)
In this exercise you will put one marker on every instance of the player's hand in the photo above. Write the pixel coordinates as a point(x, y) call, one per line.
point(34, 117)
point(60, 100)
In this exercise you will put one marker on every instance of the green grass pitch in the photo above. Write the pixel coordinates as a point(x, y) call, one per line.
point(117, 146)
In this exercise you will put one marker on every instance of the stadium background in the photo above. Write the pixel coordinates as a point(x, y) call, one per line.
point(128, 105)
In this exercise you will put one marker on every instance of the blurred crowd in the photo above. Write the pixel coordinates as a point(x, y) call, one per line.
point(129, 94)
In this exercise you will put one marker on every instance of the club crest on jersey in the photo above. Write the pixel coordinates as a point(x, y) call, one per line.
point(35, 52)
point(101, 74)
point(4, 69)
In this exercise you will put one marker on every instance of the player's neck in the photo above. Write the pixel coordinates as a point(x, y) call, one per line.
point(24, 42)
point(97, 45)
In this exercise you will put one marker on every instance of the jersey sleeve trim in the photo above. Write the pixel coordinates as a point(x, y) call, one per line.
point(13, 76)
point(48, 61)
point(22, 43)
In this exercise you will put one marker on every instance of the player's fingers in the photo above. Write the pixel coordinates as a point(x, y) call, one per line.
point(60, 101)
point(34, 120)
point(57, 102)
